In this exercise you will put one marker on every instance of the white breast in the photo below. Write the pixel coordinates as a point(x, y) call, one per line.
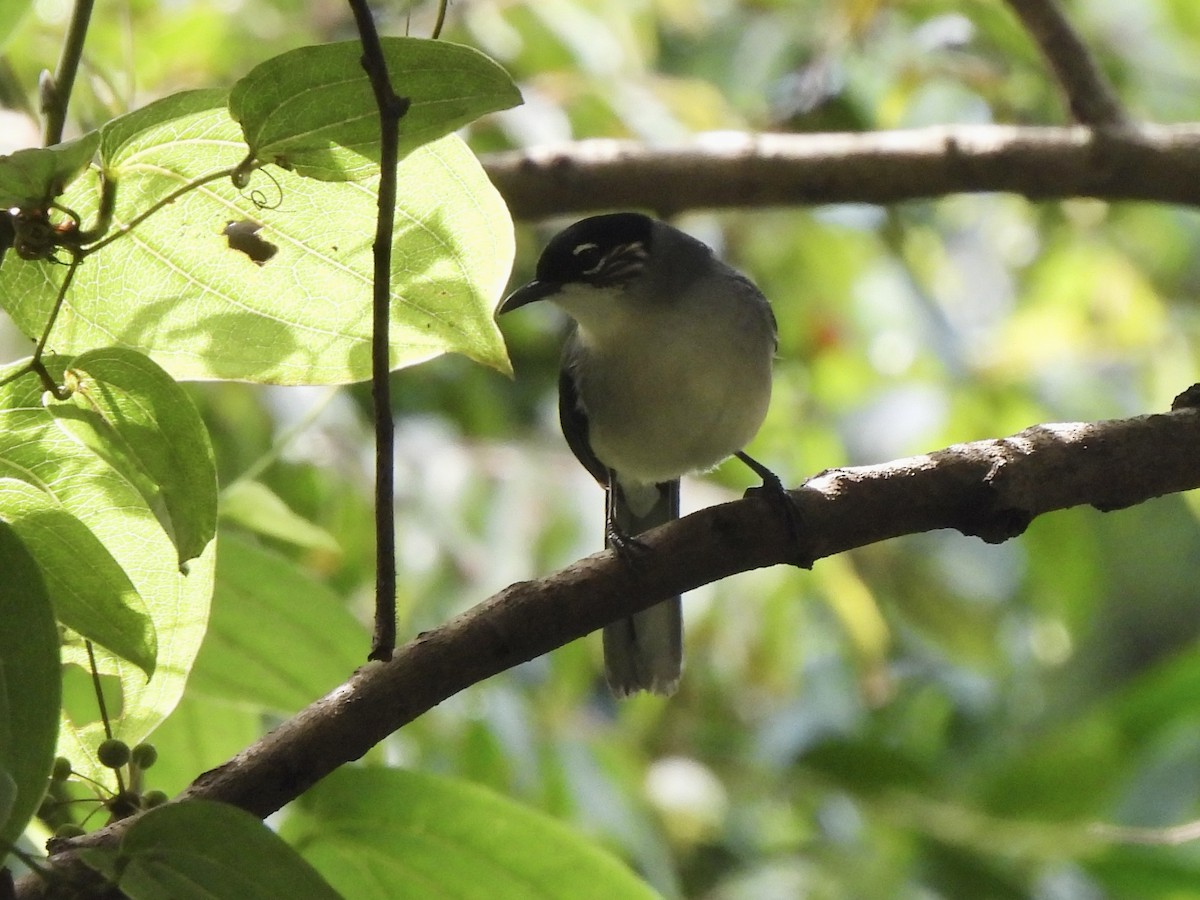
point(672, 388)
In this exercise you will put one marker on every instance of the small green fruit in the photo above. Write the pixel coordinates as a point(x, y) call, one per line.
point(113, 753)
point(144, 756)
point(151, 799)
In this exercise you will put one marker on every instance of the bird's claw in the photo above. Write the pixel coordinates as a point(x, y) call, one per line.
point(774, 492)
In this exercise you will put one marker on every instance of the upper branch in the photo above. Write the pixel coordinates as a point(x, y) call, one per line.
point(992, 489)
point(1148, 162)
point(1089, 95)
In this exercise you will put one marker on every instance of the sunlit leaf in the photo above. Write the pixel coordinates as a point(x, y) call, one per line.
point(124, 139)
point(90, 591)
point(183, 288)
point(255, 507)
point(312, 109)
point(139, 420)
point(117, 515)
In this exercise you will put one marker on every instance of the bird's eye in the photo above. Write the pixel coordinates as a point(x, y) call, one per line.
point(589, 257)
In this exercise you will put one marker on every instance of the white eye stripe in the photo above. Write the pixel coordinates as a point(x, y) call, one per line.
point(621, 260)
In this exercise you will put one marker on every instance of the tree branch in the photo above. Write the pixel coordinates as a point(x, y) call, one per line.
point(1147, 162)
point(392, 109)
point(992, 489)
point(1091, 99)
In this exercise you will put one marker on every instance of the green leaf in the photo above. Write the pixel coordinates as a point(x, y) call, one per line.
point(89, 590)
point(139, 420)
point(176, 290)
point(30, 687)
point(125, 138)
point(200, 734)
point(206, 851)
point(255, 507)
point(394, 834)
point(12, 13)
point(312, 109)
point(36, 450)
point(277, 637)
point(29, 178)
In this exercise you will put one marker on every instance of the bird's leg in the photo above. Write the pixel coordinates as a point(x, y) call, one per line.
point(777, 494)
point(625, 544)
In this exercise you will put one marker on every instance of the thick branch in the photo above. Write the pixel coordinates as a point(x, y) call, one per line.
point(1089, 95)
point(988, 488)
point(1151, 162)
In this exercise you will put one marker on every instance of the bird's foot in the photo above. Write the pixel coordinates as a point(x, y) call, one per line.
point(625, 545)
point(775, 493)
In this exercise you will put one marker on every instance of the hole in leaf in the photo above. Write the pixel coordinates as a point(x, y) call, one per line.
point(243, 237)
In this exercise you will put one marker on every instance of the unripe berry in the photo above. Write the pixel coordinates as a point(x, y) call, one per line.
point(150, 799)
point(61, 770)
point(144, 756)
point(113, 753)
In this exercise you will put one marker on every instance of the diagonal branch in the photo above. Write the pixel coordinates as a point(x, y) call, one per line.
point(992, 489)
point(1089, 95)
point(1148, 162)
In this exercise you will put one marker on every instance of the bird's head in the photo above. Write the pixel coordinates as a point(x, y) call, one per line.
point(600, 253)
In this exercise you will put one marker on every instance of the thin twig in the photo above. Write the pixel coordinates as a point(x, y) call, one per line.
point(100, 702)
point(1089, 95)
point(124, 229)
point(35, 364)
point(391, 110)
point(441, 19)
point(57, 95)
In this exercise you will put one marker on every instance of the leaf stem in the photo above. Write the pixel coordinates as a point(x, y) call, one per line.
point(57, 94)
point(108, 732)
point(35, 363)
point(122, 230)
point(441, 19)
point(391, 110)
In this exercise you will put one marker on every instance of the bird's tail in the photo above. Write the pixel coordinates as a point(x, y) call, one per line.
point(645, 652)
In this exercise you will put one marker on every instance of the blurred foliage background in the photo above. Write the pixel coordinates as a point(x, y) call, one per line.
point(930, 717)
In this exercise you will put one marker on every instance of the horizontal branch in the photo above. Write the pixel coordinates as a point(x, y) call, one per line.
point(1146, 162)
point(992, 489)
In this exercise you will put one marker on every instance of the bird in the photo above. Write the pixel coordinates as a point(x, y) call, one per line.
point(666, 371)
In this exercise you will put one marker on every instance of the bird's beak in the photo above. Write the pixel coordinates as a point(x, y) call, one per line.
point(535, 290)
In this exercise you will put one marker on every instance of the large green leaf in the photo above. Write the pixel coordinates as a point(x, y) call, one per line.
point(138, 419)
point(277, 638)
point(312, 109)
point(90, 592)
point(30, 687)
point(36, 450)
point(175, 289)
point(124, 138)
point(200, 850)
point(392, 834)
